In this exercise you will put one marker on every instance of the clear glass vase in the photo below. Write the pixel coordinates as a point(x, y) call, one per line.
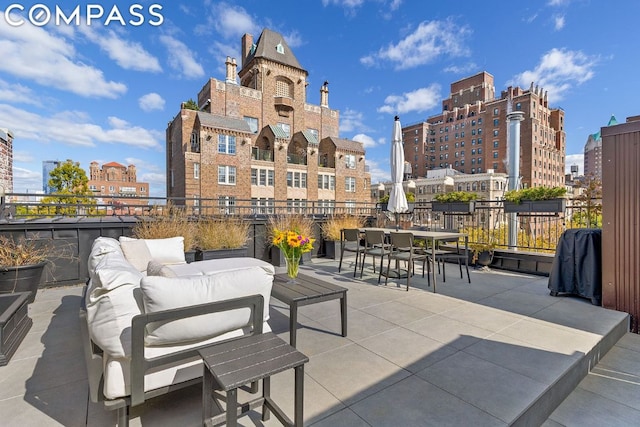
point(293, 263)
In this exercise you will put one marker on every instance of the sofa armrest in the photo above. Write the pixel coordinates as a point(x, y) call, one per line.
point(140, 365)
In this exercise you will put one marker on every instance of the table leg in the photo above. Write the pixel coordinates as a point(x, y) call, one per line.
point(433, 263)
point(266, 393)
point(293, 323)
point(207, 389)
point(232, 407)
point(298, 416)
point(343, 313)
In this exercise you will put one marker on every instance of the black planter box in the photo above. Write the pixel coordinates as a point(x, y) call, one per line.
point(14, 323)
point(454, 207)
point(203, 255)
point(536, 206)
point(332, 249)
point(24, 278)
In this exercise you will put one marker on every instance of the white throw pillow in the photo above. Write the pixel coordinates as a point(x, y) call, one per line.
point(161, 293)
point(109, 315)
point(165, 251)
point(156, 269)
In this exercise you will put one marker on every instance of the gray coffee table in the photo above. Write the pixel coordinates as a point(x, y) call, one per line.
point(305, 291)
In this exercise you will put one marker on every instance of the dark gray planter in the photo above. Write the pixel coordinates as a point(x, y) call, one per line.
point(332, 249)
point(24, 278)
point(190, 256)
point(454, 207)
point(14, 323)
point(536, 206)
point(203, 255)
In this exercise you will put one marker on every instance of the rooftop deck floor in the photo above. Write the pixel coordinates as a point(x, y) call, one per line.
point(498, 351)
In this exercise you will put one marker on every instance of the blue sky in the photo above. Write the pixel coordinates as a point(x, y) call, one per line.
point(106, 91)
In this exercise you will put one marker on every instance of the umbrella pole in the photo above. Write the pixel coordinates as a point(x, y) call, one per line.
point(397, 221)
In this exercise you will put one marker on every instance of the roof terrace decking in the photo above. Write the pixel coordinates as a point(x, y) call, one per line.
point(498, 351)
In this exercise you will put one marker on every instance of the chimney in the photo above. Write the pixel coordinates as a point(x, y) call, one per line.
point(247, 42)
point(324, 95)
point(231, 70)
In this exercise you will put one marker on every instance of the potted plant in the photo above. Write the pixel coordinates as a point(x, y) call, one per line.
point(331, 232)
point(22, 263)
point(162, 226)
point(455, 202)
point(411, 199)
point(482, 253)
point(535, 199)
point(221, 238)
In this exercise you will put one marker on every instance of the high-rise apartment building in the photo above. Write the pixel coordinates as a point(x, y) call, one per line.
point(118, 181)
point(470, 135)
point(257, 140)
point(47, 167)
point(593, 152)
point(6, 160)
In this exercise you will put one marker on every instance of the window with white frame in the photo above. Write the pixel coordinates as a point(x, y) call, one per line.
point(326, 182)
point(296, 179)
point(227, 175)
point(196, 170)
point(350, 161)
point(254, 176)
point(195, 142)
point(227, 204)
point(226, 144)
point(350, 184)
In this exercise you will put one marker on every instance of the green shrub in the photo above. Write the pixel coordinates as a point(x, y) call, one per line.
point(455, 196)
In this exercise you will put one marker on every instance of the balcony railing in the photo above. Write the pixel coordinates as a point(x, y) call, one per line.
point(536, 232)
point(260, 154)
point(296, 159)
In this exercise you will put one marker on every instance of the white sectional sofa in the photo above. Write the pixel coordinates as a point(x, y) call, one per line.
point(146, 312)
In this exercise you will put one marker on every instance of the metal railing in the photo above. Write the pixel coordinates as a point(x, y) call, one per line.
point(536, 232)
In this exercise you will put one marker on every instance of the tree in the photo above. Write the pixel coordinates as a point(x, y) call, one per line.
point(588, 204)
point(190, 105)
point(70, 187)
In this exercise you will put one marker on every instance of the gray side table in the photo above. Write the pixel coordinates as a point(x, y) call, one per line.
point(232, 364)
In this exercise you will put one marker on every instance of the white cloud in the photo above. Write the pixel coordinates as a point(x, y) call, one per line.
point(419, 100)
point(366, 140)
point(230, 21)
point(574, 159)
point(151, 101)
point(181, 58)
point(558, 22)
point(428, 42)
point(25, 179)
point(17, 94)
point(352, 121)
point(50, 61)
point(74, 128)
point(127, 54)
point(293, 39)
point(559, 70)
point(378, 173)
point(22, 156)
point(467, 68)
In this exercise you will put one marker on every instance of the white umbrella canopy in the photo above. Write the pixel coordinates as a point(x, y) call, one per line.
point(397, 199)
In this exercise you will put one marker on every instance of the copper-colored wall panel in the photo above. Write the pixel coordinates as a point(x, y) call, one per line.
point(621, 219)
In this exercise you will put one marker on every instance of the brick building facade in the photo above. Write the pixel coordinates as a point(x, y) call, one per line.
point(6, 160)
point(593, 153)
point(118, 181)
point(470, 135)
point(258, 141)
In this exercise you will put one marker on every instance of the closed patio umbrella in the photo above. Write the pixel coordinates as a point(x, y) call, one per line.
point(397, 199)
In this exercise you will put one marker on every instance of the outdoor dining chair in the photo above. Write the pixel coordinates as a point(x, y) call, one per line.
point(376, 246)
point(350, 242)
point(402, 249)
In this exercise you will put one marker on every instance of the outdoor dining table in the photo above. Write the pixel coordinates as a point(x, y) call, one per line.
point(433, 237)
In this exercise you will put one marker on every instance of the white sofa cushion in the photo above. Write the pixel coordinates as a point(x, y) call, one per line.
point(213, 266)
point(102, 246)
point(165, 251)
point(162, 293)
